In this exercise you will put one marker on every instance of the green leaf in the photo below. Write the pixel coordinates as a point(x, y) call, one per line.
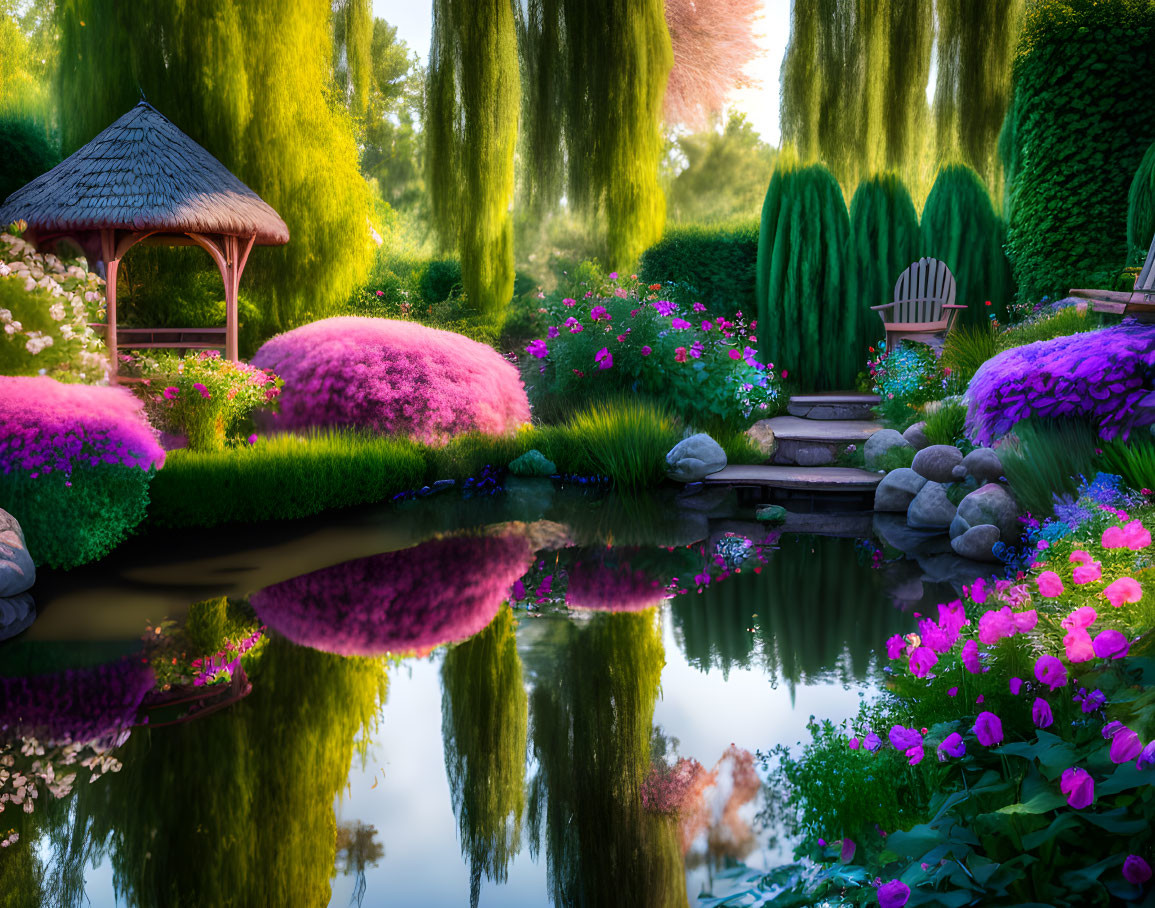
point(1040, 803)
point(1061, 823)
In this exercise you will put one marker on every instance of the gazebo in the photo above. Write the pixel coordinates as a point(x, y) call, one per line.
point(143, 180)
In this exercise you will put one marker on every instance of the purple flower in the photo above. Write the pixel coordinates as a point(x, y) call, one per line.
point(553, 331)
point(1076, 783)
point(902, 738)
point(894, 894)
point(1041, 713)
point(1016, 685)
point(1146, 758)
point(848, 849)
point(679, 324)
point(922, 660)
point(1051, 672)
point(664, 307)
point(604, 358)
point(647, 350)
point(1111, 644)
point(970, 658)
point(988, 729)
point(872, 742)
point(1136, 870)
point(994, 625)
point(895, 646)
point(952, 746)
point(253, 438)
point(537, 348)
point(1125, 746)
point(915, 754)
point(597, 313)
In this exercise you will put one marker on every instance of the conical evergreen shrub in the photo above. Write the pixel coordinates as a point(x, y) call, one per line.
point(804, 322)
point(960, 227)
point(1141, 209)
point(884, 240)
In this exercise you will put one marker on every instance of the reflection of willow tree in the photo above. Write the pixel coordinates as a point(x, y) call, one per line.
point(237, 808)
point(358, 849)
point(815, 608)
point(592, 718)
point(484, 719)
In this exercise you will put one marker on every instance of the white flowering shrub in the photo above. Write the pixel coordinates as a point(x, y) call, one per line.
point(45, 308)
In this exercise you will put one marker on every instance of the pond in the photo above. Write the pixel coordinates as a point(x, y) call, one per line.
point(498, 700)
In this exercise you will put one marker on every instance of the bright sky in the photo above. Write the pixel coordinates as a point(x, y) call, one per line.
point(414, 21)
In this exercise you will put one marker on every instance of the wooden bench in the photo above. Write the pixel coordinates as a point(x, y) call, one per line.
point(924, 308)
point(1140, 302)
point(179, 339)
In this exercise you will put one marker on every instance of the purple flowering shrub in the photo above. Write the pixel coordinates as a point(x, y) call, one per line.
point(75, 464)
point(391, 378)
point(1106, 378)
point(398, 601)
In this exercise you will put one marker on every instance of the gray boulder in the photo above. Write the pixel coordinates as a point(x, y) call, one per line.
point(916, 435)
point(879, 443)
point(771, 513)
point(897, 490)
point(893, 530)
point(694, 458)
point(977, 543)
point(937, 462)
point(984, 465)
point(931, 509)
point(992, 504)
point(958, 526)
point(17, 572)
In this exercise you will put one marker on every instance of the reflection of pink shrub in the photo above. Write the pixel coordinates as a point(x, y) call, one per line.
point(392, 377)
point(602, 585)
point(87, 705)
point(46, 425)
point(438, 592)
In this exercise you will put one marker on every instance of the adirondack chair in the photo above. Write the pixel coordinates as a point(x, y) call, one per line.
point(923, 308)
point(1140, 302)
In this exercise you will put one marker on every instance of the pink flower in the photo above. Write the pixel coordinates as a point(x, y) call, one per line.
point(784, 375)
point(1136, 870)
point(1114, 538)
point(569, 301)
point(1079, 618)
point(680, 355)
point(204, 392)
point(604, 358)
point(1078, 645)
point(537, 348)
point(1111, 644)
point(253, 439)
point(679, 324)
point(1087, 573)
point(895, 646)
point(952, 615)
point(613, 275)
point(647, 350)
point(1050, 584)
point(599, 312)
point(922, 660)
point(1050, 671)
point(1080, 557)
point(978, 591)
point(1136, 536)
point(1125, 589)
point(171, 392)
point(988, 729)
point(1077, 784)
point(915, 754)
point(1125, 746)
point(970, 658)
point(894, 894)
point(553, 332)
point(993, 626)
point(1041, 713)
point(1025, 621)
point(735, 354)
point(380, 292)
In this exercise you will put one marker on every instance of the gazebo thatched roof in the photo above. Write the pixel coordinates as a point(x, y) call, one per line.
point(144, 174)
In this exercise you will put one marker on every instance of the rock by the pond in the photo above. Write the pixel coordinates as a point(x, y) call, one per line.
point(958, 526)
point(879, 443)
point(916, 435)
point(762, 437)
point(893, 530)
point(897, 490)
point(533, 463)
point(771, 513)
point(992, 504)
point(953, 569)
point(931, 509)
point(938, 462)
point(977, 543)
point(16, 614)
point(984, 465)
point(694, 458)
point(17, 572)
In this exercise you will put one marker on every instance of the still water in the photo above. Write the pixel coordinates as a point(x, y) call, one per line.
point(498, 702)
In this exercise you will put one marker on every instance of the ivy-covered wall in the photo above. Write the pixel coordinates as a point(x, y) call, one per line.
point(1083, 115)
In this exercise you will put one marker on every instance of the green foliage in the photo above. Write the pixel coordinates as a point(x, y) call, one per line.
point(1045, 459)
point(947, 424)
point(393, 150)
point(626, 440)
point(439, 279)
point(884, 240)
point(471, 134)
point(352, 45)
point(899, 456)
point(905, 379)
point(1141, 209)
point(960, 227)
point(206, 623)
point(595, 81)
point(966, 348)
point(28, 148)
point(1081, 85)
point(1059, 323)
point(1134, 460)
point(738, 447)
point(717, 261)
point(240, 78)
point(804, 318)
point(68, 521)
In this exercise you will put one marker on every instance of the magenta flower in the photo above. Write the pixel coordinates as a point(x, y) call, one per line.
point(988, 729)
point(553, 331)
point(679, 324)
point(1136, 536)
point(664, 307)
point(1051, 671)
point(1110, 644)
point(915, 754)
point(735, 354)
point(1026, 621)
point(952, 692)
point(1080, 557)
point(1079, 646)
point(171, 392)
point(895, 646)
point(1077, 784)
point(848, 849)
point(1041, 713)
point(994, 625)
point(902, 738)
point(569, 301)
point(204, 392)
point(604, 358)
point(1050, 584)
point(1136, 870)
point(1123, 590)
point(1114, 538)
point(613, 275)
point(854, 743)
point(537, 348)
point(1146, 759)
point(894, 894)
point(922, 660)
point(978, 591)
point(647, 350)
point(952, 615)
point(953, 745)
point(934, 635)
point(597, 313)
point(1016, 685)
point(1125, 746)
point(1087, 573)
point(253, 438)
point(872, 742)
point(1079, 618)
point(970, 658)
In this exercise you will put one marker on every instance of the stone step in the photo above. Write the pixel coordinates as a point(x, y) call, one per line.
point(807, 479)
point(833, 405)
point(816, 442)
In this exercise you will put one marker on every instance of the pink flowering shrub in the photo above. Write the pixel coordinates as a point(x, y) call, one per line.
point(415, 599)
point(392, 378)
point(75, 464)
point(1106, 378)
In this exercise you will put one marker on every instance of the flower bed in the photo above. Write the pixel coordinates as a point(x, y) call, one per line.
point(391, 378)
point(75, 464)
point(398, 601)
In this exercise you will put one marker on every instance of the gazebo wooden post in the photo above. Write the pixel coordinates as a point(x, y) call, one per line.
point(230, 253)
point(108, 255)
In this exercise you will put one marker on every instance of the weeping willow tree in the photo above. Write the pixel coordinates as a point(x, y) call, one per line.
point(806, 323)
point(484, 721)
point(595, 76)
point(975, 51)
point(1141, 208)
point(854, 85)
point(884, 240)
point(960, 227)
point(471, 135)
point(592, 718)
point(239, 805)
point(250, 81)
point(352, 47)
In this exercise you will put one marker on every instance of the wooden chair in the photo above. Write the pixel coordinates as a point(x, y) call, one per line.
point(1140, 302)
point(924, 308)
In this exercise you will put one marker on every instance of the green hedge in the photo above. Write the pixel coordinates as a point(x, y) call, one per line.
point(1083, 115)
point(1141, 209)
point(717, 260)
point(27, 149)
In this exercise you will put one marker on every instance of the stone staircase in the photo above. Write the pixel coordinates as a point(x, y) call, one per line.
point(809, 441)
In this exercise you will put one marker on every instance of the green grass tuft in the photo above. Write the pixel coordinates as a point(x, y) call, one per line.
point(947, 424)
point(1067, 320)
point(626, 440)
point(1045, 459)
point(1134, 460)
